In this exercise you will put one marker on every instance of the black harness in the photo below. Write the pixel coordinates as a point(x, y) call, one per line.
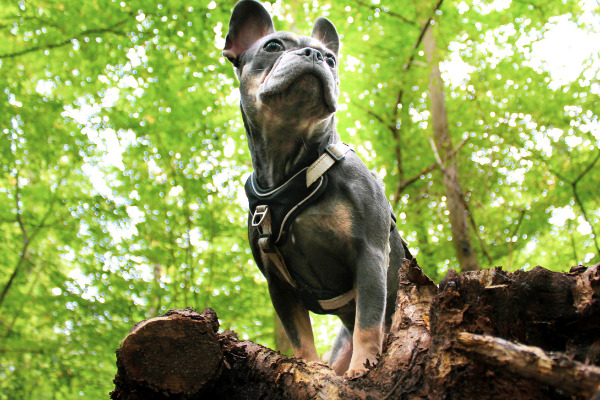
point(273, 212)
point(285, 202)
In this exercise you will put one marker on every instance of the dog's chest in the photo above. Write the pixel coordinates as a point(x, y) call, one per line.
point(319, 246)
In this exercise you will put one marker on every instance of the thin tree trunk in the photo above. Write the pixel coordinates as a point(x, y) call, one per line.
point(442, 147)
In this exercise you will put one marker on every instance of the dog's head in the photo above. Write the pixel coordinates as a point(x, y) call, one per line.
point(284, 78)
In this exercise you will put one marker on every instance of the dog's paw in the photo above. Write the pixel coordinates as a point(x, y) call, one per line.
point(352, 374)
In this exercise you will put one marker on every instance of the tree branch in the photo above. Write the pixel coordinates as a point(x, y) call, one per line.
point(206, 359)
point(515, 231)
point(96, 31)
point(576, 194)
point(402, 184)
point(573, 245)
point(25, 245)
point(28, 296)
point(476, 230)
point(521, 215)
point(399, 101)
point(426, 353)
point(421, 36)
point(393, 129)
point(407, 182)
point(388, 12)
point(552, 369)
point(27, 237)
point(4, 350)
point(578, 199)
point(585, 216)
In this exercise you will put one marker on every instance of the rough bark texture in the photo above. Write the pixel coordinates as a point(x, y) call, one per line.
point(178, 353)
point(486, 334)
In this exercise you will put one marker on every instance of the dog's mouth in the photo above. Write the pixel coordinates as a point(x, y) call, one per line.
point(299, 83)
point(306, 90)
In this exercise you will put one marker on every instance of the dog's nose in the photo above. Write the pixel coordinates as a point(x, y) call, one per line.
point(314, 54)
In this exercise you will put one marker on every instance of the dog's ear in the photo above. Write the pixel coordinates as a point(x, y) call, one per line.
point(325, 31)
point(249, 22)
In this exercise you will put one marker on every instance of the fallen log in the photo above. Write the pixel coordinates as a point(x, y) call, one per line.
point(532, 362)
point(178, 353)
point(441, 345)
point(181, 356)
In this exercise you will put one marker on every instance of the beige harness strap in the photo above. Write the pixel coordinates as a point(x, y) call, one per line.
point(338, 301)
point(263, 214)
point(333, 153)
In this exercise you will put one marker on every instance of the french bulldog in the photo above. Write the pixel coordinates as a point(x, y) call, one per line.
point(335, 249)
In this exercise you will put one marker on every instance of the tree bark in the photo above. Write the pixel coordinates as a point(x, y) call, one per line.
point(486, 334)
point(533, 362)
point(442, 146)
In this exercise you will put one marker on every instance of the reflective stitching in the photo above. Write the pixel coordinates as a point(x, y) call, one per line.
point(296, 206)
point(259, 194)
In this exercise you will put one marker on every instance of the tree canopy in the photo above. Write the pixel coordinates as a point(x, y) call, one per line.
point(123, 155)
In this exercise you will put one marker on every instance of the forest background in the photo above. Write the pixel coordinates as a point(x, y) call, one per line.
point(122, 157)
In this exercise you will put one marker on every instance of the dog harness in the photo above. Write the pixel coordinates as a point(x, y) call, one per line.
point(274, 211)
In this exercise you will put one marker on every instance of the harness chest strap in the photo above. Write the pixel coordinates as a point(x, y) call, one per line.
point(262, 220)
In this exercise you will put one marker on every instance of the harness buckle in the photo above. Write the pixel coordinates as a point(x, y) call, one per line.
point(259, 215)
point(336, 155)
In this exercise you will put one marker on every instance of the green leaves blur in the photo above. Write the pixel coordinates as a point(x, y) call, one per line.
point(120, 170)
point(122, 153)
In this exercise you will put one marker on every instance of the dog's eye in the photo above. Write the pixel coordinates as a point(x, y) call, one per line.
point(273, 47)
point(330, 60)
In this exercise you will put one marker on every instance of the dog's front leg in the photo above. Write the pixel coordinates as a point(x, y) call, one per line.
point(295, 320)
point(367, 337)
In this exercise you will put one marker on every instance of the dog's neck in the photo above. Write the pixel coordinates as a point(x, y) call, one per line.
point(280, 151)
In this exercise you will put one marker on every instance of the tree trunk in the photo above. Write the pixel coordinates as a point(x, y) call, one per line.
point(487, 334)
point(442, 146)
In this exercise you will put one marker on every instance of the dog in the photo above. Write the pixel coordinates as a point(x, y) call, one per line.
point(320, 227)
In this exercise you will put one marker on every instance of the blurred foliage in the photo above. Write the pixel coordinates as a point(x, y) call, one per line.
point(123, 152)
